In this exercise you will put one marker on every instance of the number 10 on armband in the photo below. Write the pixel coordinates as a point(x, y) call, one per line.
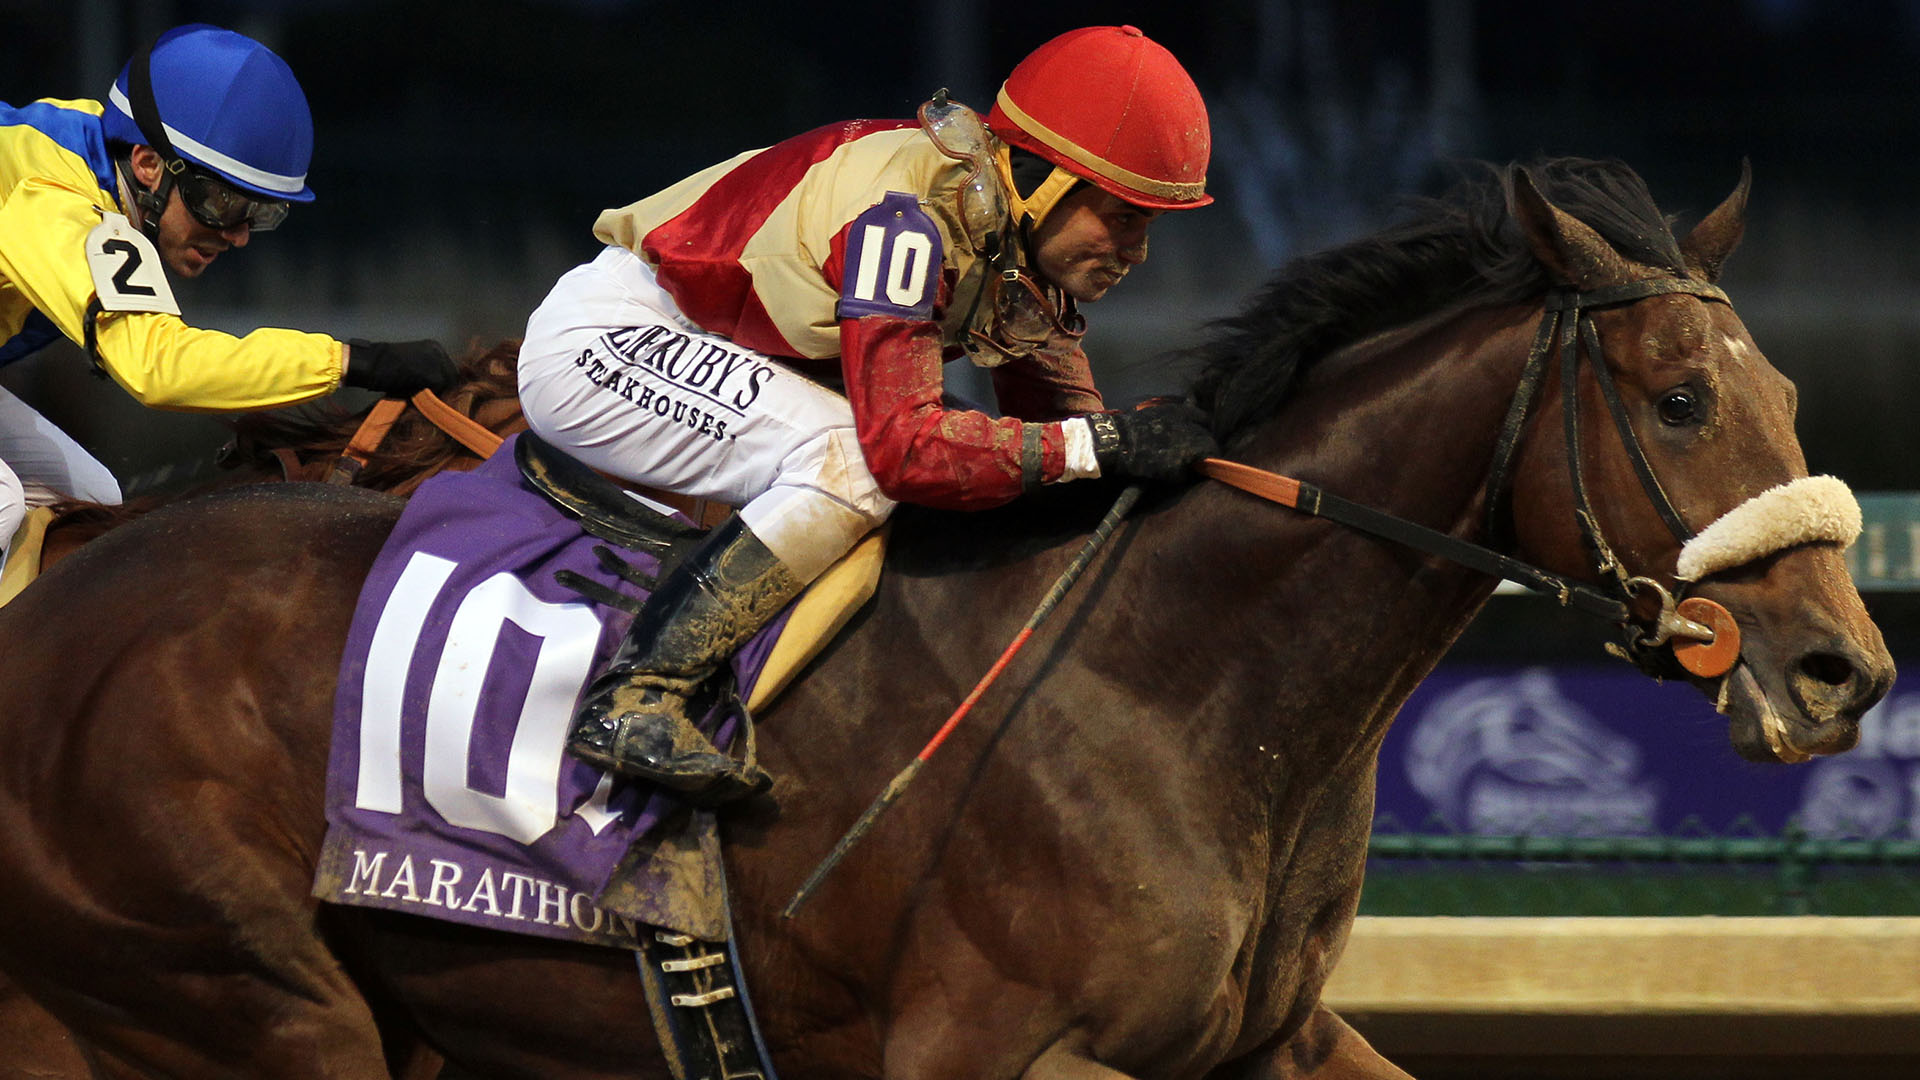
point(893, 258)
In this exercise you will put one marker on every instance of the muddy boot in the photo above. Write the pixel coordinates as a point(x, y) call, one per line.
point(634, 719)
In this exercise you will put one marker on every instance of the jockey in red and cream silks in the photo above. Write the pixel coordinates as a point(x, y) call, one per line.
point(771, 331)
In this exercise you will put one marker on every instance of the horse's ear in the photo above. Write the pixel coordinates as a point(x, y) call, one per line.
point(1706, 248)
point(1571, 251)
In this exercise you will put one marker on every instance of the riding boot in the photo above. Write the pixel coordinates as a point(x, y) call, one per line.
point(635, 719)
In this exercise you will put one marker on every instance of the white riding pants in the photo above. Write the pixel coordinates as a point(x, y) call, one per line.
point(40, 464)
point(613, 373)
point(13, 509)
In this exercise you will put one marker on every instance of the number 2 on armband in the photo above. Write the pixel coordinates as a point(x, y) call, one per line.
point(126, 268)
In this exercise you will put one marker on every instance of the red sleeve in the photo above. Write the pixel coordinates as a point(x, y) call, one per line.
point(920, 452)
point(1048, 385)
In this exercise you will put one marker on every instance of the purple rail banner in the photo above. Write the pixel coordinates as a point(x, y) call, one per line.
point(1593, 750)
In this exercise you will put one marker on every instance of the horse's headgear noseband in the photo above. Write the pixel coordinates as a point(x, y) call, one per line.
point(1702, 634)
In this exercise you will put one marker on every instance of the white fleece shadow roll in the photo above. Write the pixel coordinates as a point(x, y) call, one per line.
point(1803, 511)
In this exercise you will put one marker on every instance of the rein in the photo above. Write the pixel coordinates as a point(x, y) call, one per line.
point(372, 431)
point(1704, 636)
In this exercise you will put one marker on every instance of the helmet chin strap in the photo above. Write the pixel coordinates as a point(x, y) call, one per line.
point(151, 202)
point(1029, 210)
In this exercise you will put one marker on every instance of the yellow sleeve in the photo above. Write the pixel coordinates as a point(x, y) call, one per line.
point(158, 358)
point(166, 364)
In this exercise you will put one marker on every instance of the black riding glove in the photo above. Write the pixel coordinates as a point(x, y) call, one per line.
point(1158, 441)
point(400, 368)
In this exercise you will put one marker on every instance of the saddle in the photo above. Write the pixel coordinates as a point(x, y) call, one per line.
point(613, 513)
point(476, 601)
point(23, 553)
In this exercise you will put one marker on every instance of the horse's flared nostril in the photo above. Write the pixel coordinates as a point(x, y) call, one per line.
point(1835, 685)
point(1828, 668)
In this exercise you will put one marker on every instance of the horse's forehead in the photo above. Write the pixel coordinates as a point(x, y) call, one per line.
point(1689, 330)
point(1682, 325)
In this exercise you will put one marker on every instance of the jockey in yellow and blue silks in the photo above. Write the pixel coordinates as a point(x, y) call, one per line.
point(204, 139)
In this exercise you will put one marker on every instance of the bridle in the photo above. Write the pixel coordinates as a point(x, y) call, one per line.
point(1701, 633)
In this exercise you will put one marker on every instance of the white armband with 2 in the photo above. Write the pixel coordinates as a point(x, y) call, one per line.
point(127, 272)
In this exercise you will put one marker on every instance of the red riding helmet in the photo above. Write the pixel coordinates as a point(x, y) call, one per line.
point(1113, 107)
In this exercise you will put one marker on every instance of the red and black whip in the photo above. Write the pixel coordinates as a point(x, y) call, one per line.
point(899, 783)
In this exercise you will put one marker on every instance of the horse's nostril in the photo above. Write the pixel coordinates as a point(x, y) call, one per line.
point(1828, 668)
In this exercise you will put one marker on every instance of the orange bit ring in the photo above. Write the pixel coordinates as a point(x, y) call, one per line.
point(1708, 659)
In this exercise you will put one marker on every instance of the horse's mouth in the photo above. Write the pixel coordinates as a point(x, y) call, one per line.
point(1761, 733)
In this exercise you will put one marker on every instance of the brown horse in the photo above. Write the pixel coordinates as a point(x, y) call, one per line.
point(1142, 858)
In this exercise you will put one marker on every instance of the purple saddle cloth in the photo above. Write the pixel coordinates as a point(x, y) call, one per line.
point(449, 793)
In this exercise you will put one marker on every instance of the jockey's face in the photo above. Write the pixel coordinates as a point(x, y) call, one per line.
point(1089, 241)
point(186, 246)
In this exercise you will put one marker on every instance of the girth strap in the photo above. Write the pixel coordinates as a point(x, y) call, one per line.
point(700, 1014)
point(697, 994)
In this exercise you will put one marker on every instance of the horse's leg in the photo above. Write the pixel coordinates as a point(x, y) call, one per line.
point(1325, 1048)
point(200, 958)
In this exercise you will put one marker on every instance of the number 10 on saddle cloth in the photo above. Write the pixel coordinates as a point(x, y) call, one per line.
point(448, 791)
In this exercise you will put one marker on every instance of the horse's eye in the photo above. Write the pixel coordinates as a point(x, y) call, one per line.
point(1678, 406)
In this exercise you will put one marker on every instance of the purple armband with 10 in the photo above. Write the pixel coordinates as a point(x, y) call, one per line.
point(893, 261)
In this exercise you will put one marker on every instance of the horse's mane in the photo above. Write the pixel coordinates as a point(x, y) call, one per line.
point(1459, 249)
point(413, 448)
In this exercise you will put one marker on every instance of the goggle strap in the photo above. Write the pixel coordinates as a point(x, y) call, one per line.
point(152, 202)
point(146, 116)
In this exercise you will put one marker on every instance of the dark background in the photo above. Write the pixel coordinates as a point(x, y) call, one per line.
point(464, 149)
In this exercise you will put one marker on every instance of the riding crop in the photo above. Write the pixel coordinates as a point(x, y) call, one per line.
point(898, 785)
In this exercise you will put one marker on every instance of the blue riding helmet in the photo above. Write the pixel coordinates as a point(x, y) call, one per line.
point(228, 105)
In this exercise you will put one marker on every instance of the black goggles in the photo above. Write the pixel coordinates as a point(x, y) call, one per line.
point(219, 205)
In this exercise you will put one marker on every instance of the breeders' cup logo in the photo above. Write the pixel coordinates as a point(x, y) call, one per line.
point(1872, 791)
point(1515, 755)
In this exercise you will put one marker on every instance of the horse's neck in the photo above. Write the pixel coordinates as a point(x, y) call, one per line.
point(1408, 424)
point(1306, 611)
point(1220, 646)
